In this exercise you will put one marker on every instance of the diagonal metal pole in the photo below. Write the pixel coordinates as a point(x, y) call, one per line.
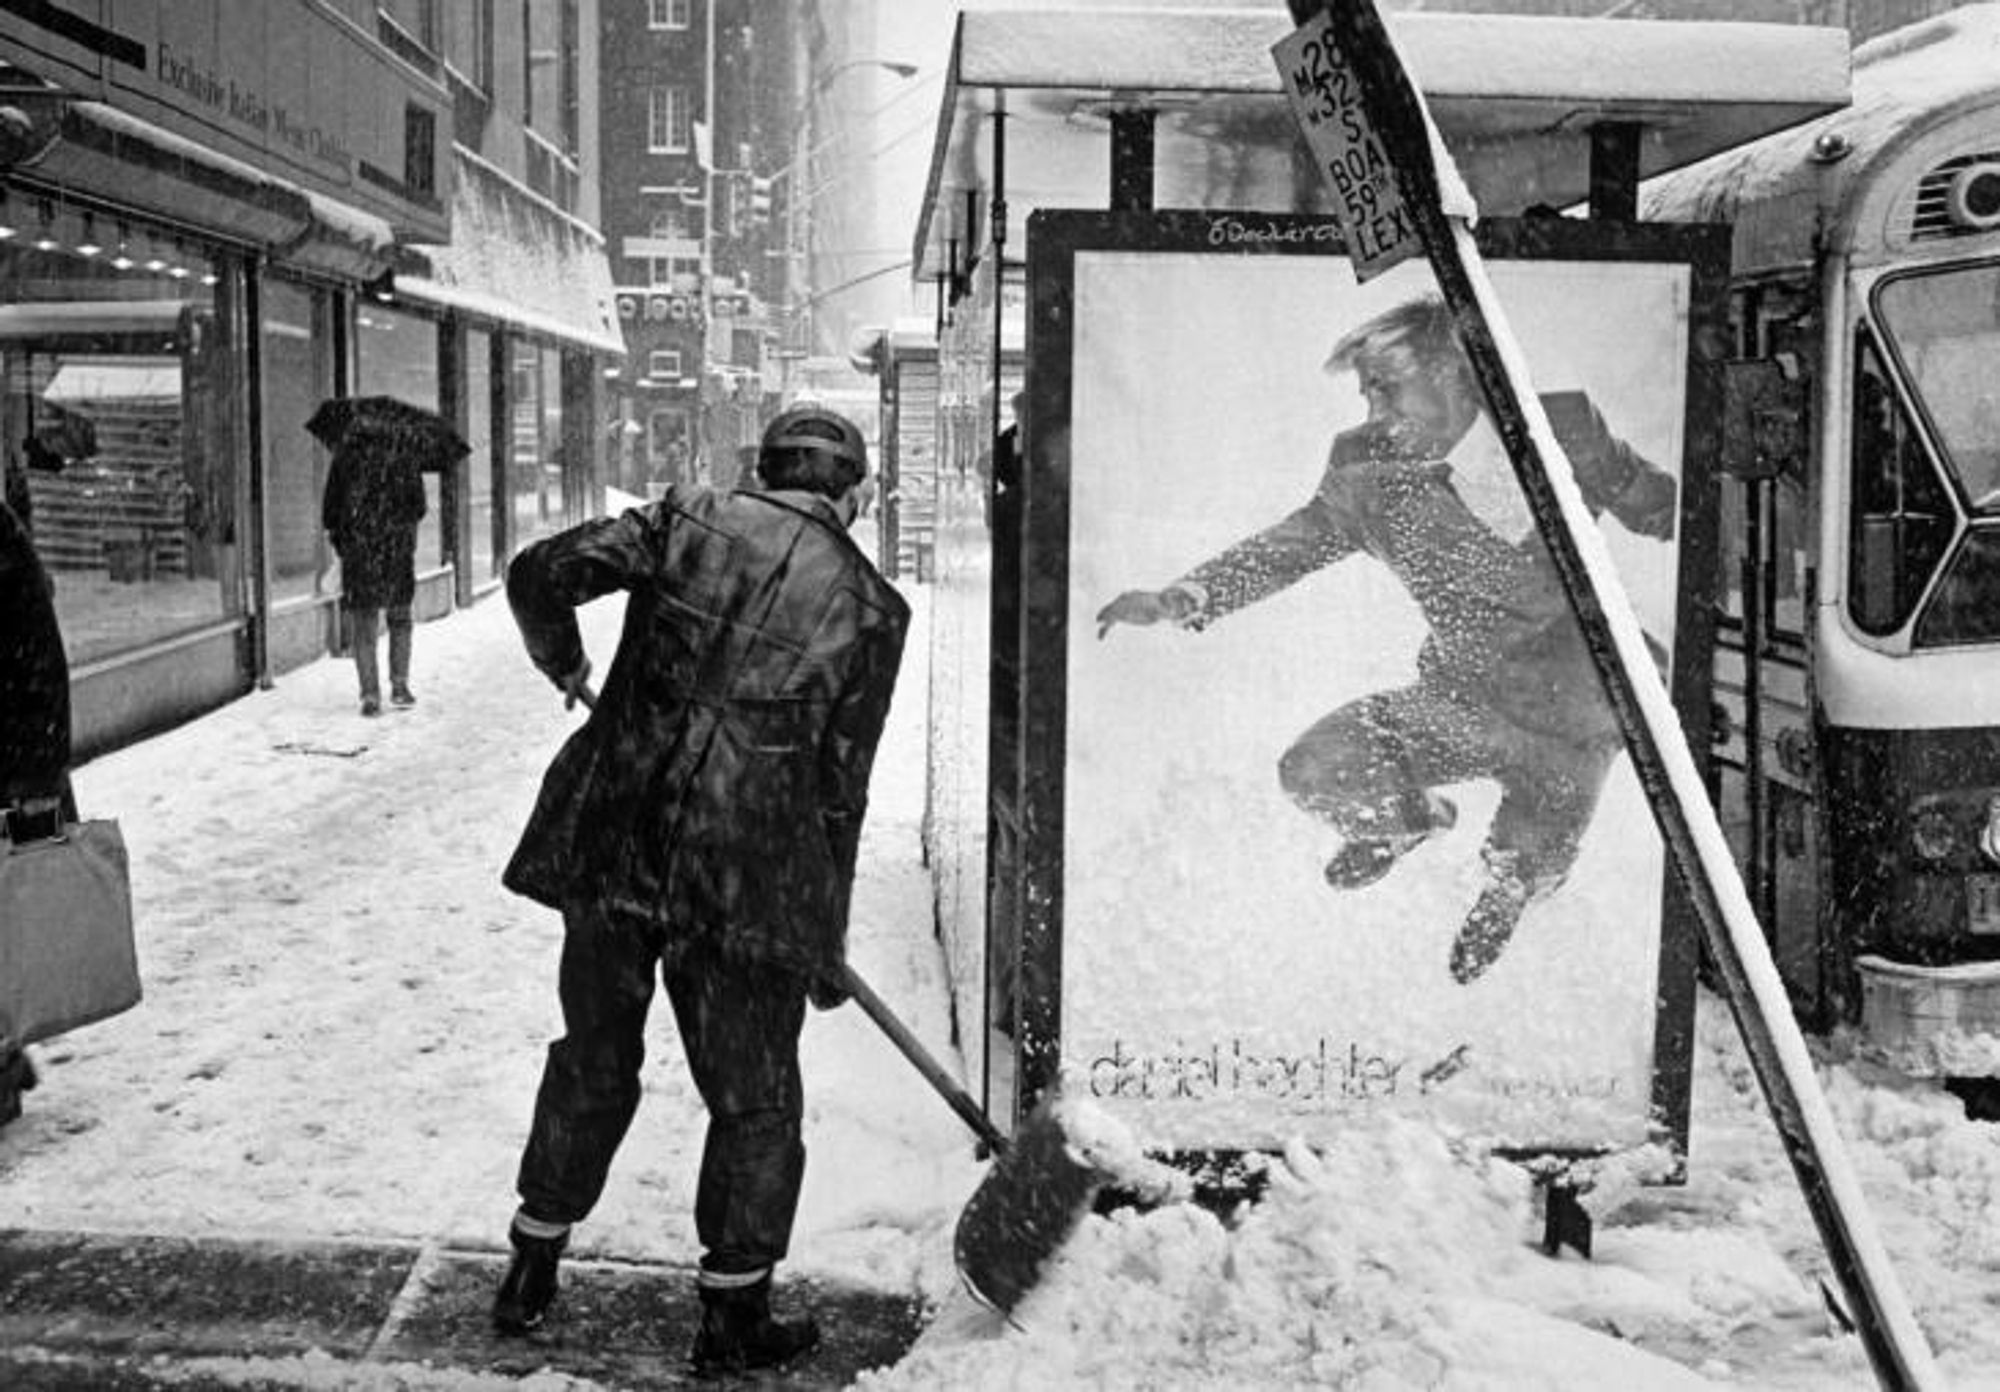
point(1894, 1342)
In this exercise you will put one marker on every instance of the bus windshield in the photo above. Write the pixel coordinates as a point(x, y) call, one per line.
point(1945, 327)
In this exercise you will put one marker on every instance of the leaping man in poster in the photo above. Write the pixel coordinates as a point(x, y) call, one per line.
point(1505, 688)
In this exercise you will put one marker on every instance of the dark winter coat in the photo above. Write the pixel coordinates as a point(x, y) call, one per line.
point(373, 502)
point(34, 673)
point(717, 789)
point(1501, 631)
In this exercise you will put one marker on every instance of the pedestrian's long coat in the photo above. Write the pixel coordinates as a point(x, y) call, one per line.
point(373, 502)
point(718, 787)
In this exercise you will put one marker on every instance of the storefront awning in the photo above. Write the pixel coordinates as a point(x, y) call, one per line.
point(518, 261)
point(103, 153)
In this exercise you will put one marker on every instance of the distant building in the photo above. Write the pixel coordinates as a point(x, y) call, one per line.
point(697, 123)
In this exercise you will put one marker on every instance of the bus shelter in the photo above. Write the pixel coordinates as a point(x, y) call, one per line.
point(1130, 882)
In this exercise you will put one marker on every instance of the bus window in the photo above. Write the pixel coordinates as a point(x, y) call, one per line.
point(1967, 606)
point(1944, 329)
point(1902, 519)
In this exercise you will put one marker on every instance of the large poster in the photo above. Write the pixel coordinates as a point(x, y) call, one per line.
point(1347, 821)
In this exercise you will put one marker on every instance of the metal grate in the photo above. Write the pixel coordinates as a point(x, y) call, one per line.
point(1932, 218)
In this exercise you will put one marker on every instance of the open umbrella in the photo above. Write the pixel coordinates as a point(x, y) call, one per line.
point(391, 424)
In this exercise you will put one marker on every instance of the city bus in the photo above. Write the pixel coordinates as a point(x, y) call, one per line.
point(1857, 667)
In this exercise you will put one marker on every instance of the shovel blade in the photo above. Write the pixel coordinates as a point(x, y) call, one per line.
point(1033, 1197)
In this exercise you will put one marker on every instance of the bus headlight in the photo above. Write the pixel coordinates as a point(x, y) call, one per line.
point(1933, 835)
point(1989, 834)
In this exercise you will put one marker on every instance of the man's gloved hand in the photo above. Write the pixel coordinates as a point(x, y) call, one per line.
point(1146, 607)
point(827, 992)
point(575, 685)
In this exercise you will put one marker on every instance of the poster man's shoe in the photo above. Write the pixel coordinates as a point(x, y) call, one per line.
point(1488, 928)
point(1366, 859)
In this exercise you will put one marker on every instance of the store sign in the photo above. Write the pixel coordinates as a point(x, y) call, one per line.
point(284, 85)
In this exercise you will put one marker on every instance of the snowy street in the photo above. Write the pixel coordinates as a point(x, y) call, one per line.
point(345, 1016)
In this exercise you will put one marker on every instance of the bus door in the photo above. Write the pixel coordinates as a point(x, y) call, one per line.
point(1766, 775)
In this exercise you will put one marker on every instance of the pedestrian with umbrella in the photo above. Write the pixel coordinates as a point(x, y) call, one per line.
point(373, 502)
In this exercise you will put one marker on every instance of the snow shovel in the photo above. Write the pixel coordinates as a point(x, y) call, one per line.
point(1033, 1195)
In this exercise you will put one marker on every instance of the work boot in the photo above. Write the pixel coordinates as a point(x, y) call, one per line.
point(738, 1332)
point(1365, 859)
point(529, 1288)
point(1487, 928)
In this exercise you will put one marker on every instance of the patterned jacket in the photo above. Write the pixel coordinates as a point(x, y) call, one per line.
point(719, 785)
point(1501, 632)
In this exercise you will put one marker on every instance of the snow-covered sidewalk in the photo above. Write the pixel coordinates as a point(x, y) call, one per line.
point(345, 1018)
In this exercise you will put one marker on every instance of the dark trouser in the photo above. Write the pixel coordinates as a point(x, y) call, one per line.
point(1364, 769)
point(362, 632)
point(739, 1025)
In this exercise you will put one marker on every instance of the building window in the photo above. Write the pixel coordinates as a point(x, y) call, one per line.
point(409, 29)
point(669, 117)
point(468, 42)
point(420, 152)
point(667, 14)
point(681, 273)
point(664, 363)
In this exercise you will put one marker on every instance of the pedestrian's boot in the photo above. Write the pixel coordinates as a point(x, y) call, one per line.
point(1362, 860)
point(17, 1076)
point(529, 1288)
point(368, 670)
point(399, 663)
point(1491, 923)
point(738, 1331)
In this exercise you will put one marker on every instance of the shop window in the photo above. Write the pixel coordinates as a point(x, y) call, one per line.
point(119, 389)
point(397, 354)
point(535, 453)
point(479, 463)
point(297, 376)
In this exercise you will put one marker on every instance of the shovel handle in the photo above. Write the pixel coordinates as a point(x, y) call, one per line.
point(969, 1111)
